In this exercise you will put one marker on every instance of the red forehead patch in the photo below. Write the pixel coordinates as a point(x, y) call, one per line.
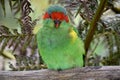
point(56, 16)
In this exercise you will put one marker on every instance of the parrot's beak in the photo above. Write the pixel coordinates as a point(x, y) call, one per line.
point(57, 23)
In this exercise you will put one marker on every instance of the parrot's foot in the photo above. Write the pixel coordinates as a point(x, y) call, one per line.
point(59, 70)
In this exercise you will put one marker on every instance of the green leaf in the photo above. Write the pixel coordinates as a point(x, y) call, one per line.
point(10, 3)
point(3, 6)
point(8, 54)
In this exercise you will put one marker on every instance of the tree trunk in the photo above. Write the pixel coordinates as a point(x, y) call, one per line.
point(86, 73)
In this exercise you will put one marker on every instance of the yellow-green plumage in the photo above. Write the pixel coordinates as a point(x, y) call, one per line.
point(60, 48)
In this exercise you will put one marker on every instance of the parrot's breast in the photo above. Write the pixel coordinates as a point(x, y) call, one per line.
point(53, 38)
point(60, 47)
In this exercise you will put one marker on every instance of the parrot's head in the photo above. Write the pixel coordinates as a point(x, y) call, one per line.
point(57, 14)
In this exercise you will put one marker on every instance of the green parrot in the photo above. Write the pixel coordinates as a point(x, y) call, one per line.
point(58, 41)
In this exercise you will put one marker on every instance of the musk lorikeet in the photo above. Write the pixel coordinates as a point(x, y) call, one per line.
point(58, 41)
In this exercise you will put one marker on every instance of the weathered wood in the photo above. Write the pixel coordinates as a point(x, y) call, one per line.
point(86, 73)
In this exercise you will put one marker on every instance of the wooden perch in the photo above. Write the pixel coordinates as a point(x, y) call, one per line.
point(86, 73)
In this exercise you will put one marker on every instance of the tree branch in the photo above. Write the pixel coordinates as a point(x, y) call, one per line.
point(93, 24)
point(86, 73)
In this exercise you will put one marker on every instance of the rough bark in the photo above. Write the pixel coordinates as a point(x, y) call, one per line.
point(86, 73)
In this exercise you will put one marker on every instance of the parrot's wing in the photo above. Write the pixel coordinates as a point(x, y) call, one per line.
point(75, 34)
point(74, 28)
point(71, 27)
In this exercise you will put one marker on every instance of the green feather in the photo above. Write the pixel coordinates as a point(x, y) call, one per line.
point(57, 48)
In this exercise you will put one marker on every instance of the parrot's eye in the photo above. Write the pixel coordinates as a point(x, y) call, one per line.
point(57, 23)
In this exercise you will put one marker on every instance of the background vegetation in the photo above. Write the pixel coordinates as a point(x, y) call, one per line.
point(21, 19)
